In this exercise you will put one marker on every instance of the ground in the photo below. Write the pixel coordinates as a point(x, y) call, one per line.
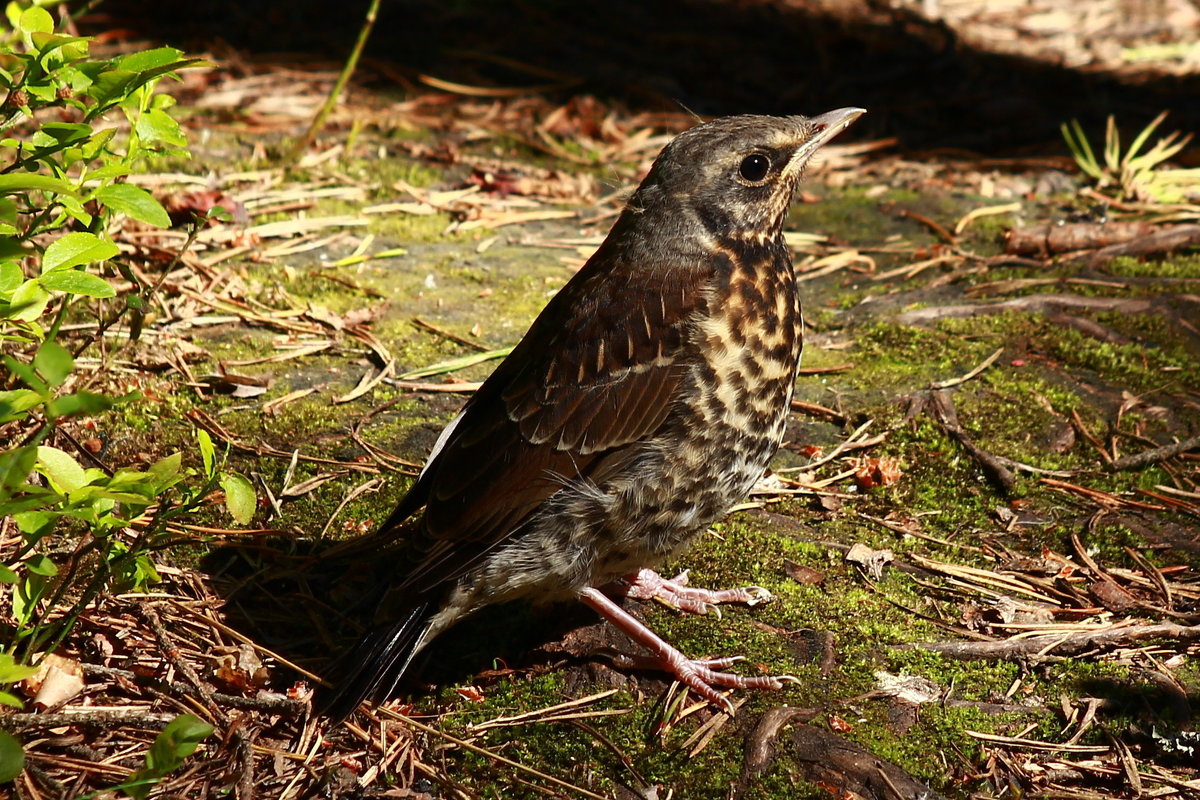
point(980, 587)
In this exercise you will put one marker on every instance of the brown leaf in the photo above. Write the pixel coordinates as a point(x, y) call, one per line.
point(242, 669)
point(802, 574)
point(183, 207)
point(872, 472)
point(1112, 596)
point(872, 561)
point(236, 385)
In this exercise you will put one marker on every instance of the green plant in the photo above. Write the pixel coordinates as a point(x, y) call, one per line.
point(177, 741)
point(1136, 175)
point(63, 193)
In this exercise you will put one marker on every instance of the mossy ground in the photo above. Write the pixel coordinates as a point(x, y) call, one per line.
point(1046, 374)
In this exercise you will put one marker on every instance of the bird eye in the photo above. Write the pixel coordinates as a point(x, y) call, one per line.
point(754, 167)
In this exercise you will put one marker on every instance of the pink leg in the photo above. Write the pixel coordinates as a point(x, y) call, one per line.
point(646, 584)
point(699, 675)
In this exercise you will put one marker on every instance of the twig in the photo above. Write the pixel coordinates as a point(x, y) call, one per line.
point(326, 109)
point(933, 225)
point(101, 718)
point(1070, 645)
point(370, 486)
point(277, 704)
point(245, 748)
point(387, 712)
point(171, 653)
point(1145, 459)
point(996, 472)
point(1079, 425)
point(1171, 238)
point(814, 410)
point(946, 384)
point(451, 335)
point(837, 451)
point(1033, 303)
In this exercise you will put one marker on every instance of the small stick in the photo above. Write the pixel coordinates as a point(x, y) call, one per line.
point(171, 653)
point(996, 472)
point(933, 225)
point(1145, 459)
point(814, 410)
point(1073, 644)
point(451, 335)
point(106, 718)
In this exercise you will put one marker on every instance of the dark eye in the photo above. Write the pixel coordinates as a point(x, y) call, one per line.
point(754, 167)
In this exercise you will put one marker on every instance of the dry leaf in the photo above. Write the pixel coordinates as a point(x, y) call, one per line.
point(57, 680)
point(872, 561)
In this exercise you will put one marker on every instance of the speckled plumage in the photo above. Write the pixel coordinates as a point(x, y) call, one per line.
point(646, 399)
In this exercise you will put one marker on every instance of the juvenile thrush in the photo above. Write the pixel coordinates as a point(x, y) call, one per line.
point(646, 399)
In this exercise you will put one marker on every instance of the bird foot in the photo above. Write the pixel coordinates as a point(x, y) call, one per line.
point(646, 584)
point(701, 675)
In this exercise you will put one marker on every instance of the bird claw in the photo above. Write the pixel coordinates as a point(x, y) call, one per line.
point(702, 676)
point(675, 593)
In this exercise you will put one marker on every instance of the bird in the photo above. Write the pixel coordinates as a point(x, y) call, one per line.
point(647, 398)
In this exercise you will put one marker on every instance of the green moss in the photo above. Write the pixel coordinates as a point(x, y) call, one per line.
point(1177, 266)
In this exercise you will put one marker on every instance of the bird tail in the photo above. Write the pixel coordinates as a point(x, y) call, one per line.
point(376, 663)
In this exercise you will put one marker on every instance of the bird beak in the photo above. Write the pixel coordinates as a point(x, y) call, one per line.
point(823, 128)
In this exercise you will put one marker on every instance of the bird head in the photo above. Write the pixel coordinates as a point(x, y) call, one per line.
point(737, 175)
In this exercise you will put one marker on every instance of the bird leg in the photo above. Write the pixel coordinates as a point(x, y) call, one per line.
point(646, 584)
point(699, 675)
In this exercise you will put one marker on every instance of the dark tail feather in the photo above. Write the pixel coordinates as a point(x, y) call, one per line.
point(376, 664)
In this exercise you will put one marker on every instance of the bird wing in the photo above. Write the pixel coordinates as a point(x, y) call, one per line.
point(596, 373)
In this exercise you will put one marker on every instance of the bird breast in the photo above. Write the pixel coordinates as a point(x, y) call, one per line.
point(748, 341)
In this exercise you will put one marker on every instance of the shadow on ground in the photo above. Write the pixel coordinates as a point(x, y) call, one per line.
point(919, 81)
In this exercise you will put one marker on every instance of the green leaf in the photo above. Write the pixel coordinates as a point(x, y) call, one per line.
point(134, 202)
point(26, 373)
point(65, 132)
point(27, 182)
point(33, 498)
point(15, 466)
point(74, 249)
point(25, 599)
point(109, 87)
point(36, 20)
point(73, 281)
point(95, 149)
point(8, 211)
point(207, 451)
point(10, 700)
point(157, 125)
point(165, 472)
point(12, 755)
point(41, 565)
point(73, 47)
point(34, 524)
point(61, 468)
point(11, 276)
point(80, 403)
point(239, 497)
point(176, 742)
point(149, 59)
point(10, 246)
point(11, 671)
point(53, 363)
point(28, 302)
point(7, 575)
point(14, 403)
point(109, 171)
point(74, 208)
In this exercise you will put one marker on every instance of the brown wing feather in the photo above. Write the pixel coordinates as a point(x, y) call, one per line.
point(596, 372)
